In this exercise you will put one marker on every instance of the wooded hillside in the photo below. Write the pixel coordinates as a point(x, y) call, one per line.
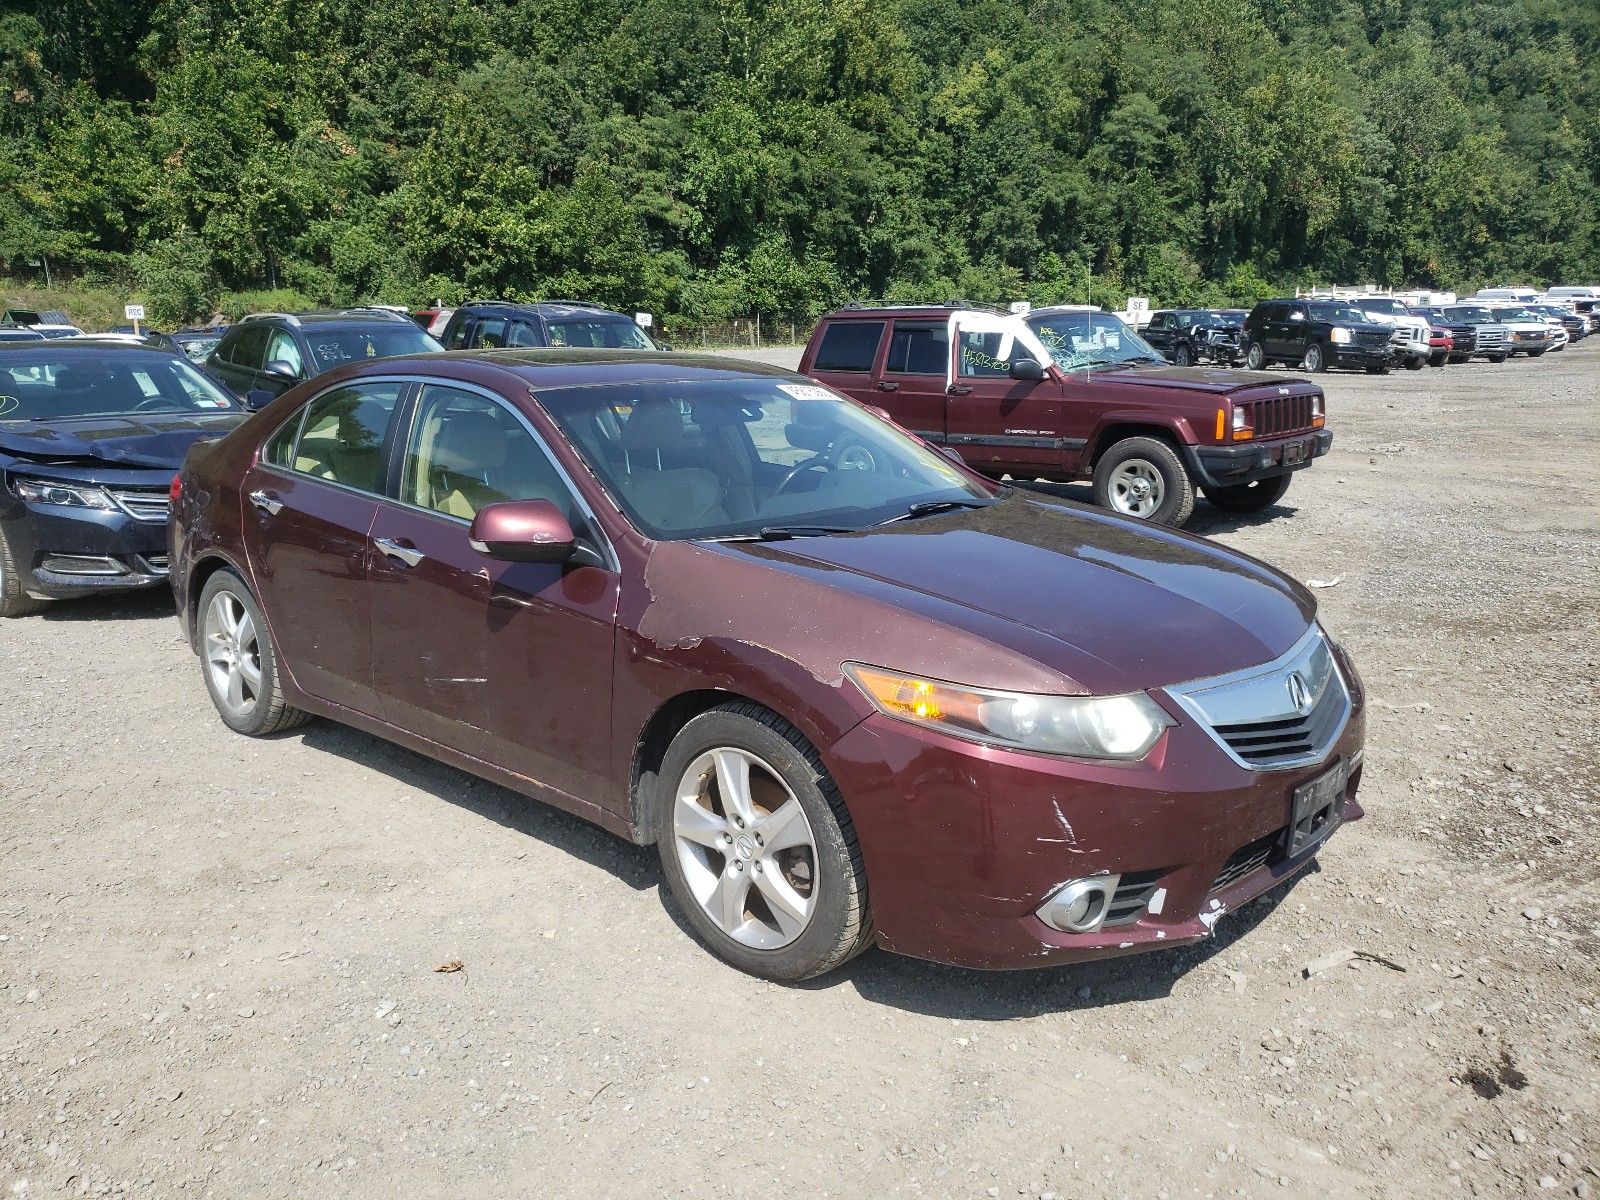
point(716, 158)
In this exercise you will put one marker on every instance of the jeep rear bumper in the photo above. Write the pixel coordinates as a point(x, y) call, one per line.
point(1225, 466)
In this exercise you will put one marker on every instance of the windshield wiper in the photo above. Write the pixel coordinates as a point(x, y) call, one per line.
point(926, 508)
point(782, 533)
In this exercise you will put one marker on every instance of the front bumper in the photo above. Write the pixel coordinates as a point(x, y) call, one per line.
point(1225, 466)
point(65, 553)
point(1361, 358)
point(963, 843)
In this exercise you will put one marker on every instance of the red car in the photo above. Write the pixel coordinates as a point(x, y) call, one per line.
point(853, 691)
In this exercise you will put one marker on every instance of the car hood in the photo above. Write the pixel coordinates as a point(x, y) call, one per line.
point(1025, 595)
point(1213, 380)
point(158, 440)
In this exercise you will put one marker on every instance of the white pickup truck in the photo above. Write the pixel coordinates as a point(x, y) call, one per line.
point(1410, 338)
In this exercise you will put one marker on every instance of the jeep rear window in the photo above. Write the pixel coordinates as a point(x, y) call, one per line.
point(849, 346)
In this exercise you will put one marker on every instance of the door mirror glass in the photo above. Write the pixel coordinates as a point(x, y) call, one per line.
point(523, 531)
point(1026, 369)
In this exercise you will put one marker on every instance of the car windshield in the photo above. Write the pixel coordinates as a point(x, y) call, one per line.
point(1339, 314)
point(753, 458)
point(1515, 314)
point(1382, 304)
point(334, 347)
point(1469, 313)
point(44, 383)
point(1079, 340)
point(597, 332)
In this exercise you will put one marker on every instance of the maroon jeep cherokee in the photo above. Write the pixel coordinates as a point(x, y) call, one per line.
point(1071, 393)
point(855, 693)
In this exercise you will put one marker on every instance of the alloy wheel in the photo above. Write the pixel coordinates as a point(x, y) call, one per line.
point(746, 848)
point(233, 654)
point(1136, 488)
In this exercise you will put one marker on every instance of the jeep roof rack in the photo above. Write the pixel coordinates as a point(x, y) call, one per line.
point(589, 304)
point(954, 302)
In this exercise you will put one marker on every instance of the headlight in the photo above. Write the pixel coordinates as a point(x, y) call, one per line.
point(1340, 334)
point(1241, 424)
point(1118, 727)
point(64, 495)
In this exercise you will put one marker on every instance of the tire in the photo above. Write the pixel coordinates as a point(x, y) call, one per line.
point(1256, 357)
point(797, 912)
point(1537, 353)
point(1439, 360)
point(1182, 355)
point(1249, 497)
point(238, 660)
point(1315, 361)
point(14, 602)
point(1413, 363)
point(1377, 368)
point(1497, 358)
point(1142, 477)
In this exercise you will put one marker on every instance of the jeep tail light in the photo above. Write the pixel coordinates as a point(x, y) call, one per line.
point(1242, 425)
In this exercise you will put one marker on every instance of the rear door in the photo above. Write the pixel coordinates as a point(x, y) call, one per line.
point(309, 505)
point(915, 373)
point(847, 357)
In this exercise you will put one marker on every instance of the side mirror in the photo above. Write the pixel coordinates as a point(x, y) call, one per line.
point(279, 369)
point(533, 531)
point(1026, 370)
point(257, 398)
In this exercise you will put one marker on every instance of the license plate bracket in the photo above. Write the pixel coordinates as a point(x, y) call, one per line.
point(1316, 808)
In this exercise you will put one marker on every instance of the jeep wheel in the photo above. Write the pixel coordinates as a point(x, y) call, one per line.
point(1315, 360)
point(1249, 497)
point(1142, 477)
point(1256, 357)
point(1181, 355)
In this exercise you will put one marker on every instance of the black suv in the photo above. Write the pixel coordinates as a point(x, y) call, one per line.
point(1186, 336)
point(266, 354)
point(1316, 334)
point(484, 324)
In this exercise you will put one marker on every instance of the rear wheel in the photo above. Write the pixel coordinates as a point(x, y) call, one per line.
point(1142, 477)
point(241, 668)
point(1249, 497)
point(758, 847)
point(14, 602)
point(1182, 355)
point(1315, 360)
point(1256, 356)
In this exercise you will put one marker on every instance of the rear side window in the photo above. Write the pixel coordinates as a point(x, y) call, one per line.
point(921, 348)
point(455, 333)
point(342, 433)
point(849, 346)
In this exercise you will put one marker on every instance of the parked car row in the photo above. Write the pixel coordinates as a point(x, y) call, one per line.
point(719, 608)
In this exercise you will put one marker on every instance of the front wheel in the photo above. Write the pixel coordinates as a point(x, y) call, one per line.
point(1142, 477)
point(14, 602)
point(1315, 360)
point(1439, 360)
point(1249, 497)
point(758, 847)
point(1256, 356)
point(1414, 363)
point(241, 668)
point(1182, 355)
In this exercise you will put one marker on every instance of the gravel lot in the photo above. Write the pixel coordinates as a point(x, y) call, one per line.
point(218, 956)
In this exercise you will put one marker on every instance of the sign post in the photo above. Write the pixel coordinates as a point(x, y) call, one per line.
point(134, 313)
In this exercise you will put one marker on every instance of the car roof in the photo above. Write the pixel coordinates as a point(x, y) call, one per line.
point(545, 308)
point(85, 345)
point(942, 311)
point(341, 316)
point(550, 369)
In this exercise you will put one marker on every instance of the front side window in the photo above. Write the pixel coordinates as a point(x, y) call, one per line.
point(491, 334)
point(849, 346)
point(342, 432)
point(465, 451)
point(522, 333)
point(988, 355)
point(281, 348)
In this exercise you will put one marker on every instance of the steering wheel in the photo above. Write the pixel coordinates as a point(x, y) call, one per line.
point(815, 462)
point(155, 402)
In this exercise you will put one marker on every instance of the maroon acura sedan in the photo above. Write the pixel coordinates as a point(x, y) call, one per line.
point(855, 693)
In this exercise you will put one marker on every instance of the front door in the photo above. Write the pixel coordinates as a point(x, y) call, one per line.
point(508, 662)
point(997, 422)
point(309, 505)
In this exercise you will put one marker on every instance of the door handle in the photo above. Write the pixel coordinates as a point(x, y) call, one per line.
point(267, 503)
point(888, 385)
point(395, 550)
point(960, 389)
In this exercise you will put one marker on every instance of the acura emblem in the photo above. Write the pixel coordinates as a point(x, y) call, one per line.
point(1299, 695)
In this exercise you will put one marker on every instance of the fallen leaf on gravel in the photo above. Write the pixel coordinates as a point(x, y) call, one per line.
point(1325, 583)
point(1328, 961)
point(455, 964)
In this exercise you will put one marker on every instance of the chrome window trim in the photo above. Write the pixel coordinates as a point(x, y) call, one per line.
point(1272, 676)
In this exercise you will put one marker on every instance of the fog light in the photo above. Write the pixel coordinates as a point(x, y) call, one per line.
point(83, 564)
point(1080, 906)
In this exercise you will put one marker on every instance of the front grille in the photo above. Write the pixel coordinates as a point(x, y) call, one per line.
point(1491, 339)
point(1132, 897)
point(1274, 743)
point(1246, 859)
point(142, 504)
point(1280, 414)
point(1372, 339)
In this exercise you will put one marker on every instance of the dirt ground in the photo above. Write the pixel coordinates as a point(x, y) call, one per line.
point(218, 956)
